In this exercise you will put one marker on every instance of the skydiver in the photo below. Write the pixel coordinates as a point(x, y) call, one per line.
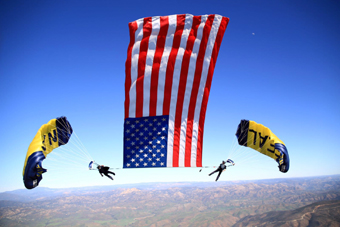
point(220, 169)
point(105, 170)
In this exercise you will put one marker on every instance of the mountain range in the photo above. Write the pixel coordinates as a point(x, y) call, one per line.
point(313, 201)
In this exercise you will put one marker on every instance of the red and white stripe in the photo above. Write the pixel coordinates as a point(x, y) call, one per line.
point(169, 68)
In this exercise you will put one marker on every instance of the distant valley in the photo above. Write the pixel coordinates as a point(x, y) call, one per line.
point(313, 201)
point(325, 213)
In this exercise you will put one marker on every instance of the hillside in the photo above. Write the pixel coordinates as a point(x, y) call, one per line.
point(325, 213)
point(176, 204)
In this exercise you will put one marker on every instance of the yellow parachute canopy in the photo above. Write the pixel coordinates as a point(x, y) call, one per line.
point(262, 139)
point(55, 133)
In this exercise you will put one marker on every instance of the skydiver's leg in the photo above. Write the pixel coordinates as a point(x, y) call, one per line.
point(218, 176)
point(111, 172)
point(108, 176)
point(213, 172)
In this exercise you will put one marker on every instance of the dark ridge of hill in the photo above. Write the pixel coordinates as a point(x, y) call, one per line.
point(325, 213)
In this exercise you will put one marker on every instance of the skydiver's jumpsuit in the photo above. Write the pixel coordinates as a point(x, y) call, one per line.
point(105, 170)
point(219, 170)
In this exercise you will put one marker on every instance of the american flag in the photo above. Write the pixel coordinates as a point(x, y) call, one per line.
point(169, 68)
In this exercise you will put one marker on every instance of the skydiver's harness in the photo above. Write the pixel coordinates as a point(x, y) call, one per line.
point(225, 166)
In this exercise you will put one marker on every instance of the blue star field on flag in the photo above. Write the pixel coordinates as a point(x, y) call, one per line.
point(145, 142)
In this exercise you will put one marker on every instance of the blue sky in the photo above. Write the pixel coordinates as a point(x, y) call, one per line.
point(278, 65)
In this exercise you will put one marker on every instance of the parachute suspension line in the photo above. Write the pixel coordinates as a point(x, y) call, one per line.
point(245, 155)
point(230, 151)
point(248, 159)
point(59, 166)
point(254, 159)
point(74, 151)
point(241, 155)
point(82, 148)
point(63, 168)
point(70, 153)
point(258, 164)
point(77, 142)
point(62, 160)
point(74, 142)
point(78, 149)
point(72, 156)
point(236, 145)
point(234, 149)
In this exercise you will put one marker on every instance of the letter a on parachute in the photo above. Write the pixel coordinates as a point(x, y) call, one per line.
point(262, 139)
point(55, 133)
